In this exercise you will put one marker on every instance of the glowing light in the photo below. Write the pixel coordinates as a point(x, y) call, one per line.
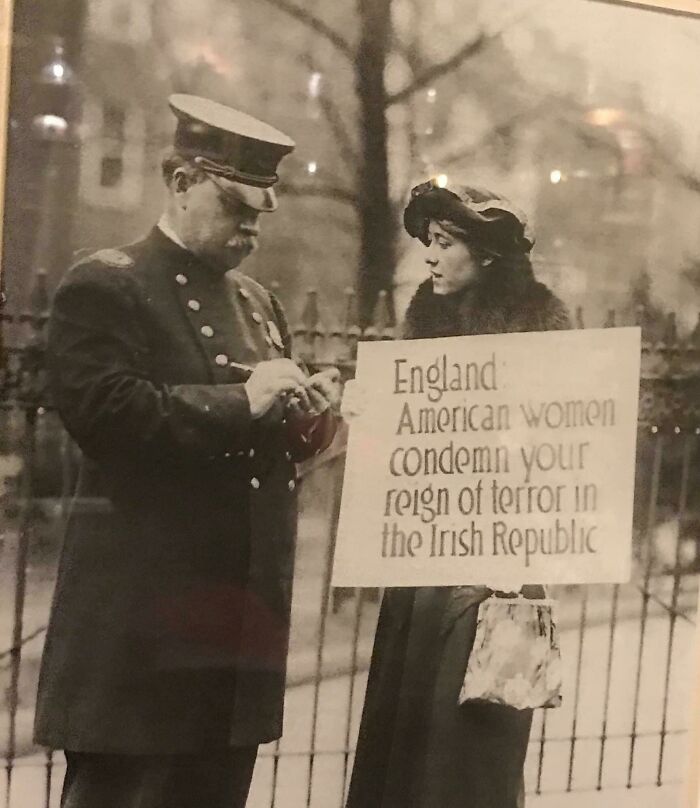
point(555, 177)
point(51, 124)
point(604, 116)
point(442, 180)
point(315, 84)
point(432, 94)
point(312, 167)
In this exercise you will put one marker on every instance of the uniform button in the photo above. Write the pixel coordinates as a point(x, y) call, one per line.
point(251, 453)
point(221, 360)
point(288, 455)
point(291, 485)
point(181, 279)
point(257, 317)
point(255, 483)
point(244, 293)
point(207, 331)
point(194, 305)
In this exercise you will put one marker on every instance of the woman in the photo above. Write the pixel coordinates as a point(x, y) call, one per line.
point(417, 747)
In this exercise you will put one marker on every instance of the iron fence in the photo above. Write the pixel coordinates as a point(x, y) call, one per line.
point(626, 647)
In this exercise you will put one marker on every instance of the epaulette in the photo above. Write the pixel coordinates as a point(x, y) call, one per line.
point(111, 257)
point(250, 284)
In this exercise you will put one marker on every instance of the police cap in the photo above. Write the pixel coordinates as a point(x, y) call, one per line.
point(239, 152)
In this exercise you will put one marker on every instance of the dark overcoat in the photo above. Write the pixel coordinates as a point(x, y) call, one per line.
point(170, 621)
point(417, 747)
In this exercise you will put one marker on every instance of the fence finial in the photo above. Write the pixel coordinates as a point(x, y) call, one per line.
point(381, 328)
point(670, 336)
point(694, 338)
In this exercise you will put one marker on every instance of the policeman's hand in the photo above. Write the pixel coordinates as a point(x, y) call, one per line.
point(269, 381)
point(326, 384)
point(305, 400)
point(321, 391)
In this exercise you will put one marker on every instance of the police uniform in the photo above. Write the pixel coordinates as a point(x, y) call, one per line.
point(169, 630)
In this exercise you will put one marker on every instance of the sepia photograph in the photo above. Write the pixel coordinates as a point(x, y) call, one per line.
point(350, 404)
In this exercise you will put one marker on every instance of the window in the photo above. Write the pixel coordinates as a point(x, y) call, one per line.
point(113, 154)
point(111, 171)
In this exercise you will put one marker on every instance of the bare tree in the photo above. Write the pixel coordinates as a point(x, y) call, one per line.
point(365, 151)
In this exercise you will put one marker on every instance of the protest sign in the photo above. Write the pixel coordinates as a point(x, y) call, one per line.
point(506, 458)
point(687, 7)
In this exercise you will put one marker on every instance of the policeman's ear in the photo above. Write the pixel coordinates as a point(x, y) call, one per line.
point(181, 181)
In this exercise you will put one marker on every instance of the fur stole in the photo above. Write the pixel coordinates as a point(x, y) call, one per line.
point(494, 308)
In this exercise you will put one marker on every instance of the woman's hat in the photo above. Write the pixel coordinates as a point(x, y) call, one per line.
point(489, 221)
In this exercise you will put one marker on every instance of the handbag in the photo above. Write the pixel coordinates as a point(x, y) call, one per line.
point(516, 659)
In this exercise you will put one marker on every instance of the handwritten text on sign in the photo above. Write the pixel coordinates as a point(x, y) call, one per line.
point(505, 457)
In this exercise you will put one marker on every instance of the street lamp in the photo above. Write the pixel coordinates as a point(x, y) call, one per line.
point(54, 97)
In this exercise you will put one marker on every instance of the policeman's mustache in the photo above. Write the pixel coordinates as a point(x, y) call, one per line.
point(245, 238)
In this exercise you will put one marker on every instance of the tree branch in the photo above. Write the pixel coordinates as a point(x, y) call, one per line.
point(333, 116)
point(435, 71)
point(312, 190)
point(337, 125)
point(316, 24)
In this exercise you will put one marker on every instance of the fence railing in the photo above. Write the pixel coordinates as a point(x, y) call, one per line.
point(626, 646)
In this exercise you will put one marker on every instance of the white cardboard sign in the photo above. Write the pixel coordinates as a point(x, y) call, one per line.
point(690, 7)
point(504, 458)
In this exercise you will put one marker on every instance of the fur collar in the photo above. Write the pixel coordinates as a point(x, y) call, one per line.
point(520, 304)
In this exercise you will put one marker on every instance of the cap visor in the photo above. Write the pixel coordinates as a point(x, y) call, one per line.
point(260, 199)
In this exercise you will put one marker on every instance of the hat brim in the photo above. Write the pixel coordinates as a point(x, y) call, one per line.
point(495, 230)
point(264, 200)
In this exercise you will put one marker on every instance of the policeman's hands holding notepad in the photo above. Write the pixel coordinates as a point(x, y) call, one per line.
point(283, 378)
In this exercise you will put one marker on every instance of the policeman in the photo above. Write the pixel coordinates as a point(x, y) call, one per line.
point(164, 663)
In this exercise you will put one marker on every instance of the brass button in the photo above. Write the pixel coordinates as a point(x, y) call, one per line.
point(251, 453)
point(291, 485)
point(221, 360)
point(244, 293)
point(194, 305)
point(257, 317)
point(207, 331)
point(181, 279)
point(288, 455)
point(255, 483)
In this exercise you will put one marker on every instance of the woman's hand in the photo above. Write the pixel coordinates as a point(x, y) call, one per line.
point(504, 587)
point(354, 400)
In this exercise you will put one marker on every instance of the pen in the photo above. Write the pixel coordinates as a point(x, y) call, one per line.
point(247, 369)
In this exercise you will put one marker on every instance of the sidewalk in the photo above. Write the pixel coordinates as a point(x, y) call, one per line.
point(305, 664)
point(324, 717)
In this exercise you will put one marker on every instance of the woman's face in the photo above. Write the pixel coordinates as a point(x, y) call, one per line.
point(452, 265)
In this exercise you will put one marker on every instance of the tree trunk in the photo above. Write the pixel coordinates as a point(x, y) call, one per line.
point(377, 224)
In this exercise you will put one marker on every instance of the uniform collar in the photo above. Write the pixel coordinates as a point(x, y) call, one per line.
point(165, 228)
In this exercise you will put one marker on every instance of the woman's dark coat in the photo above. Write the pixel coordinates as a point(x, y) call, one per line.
point(170, 621)
point(417, 747)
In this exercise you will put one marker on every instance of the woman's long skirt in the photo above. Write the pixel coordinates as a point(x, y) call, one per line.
point(417, 747)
